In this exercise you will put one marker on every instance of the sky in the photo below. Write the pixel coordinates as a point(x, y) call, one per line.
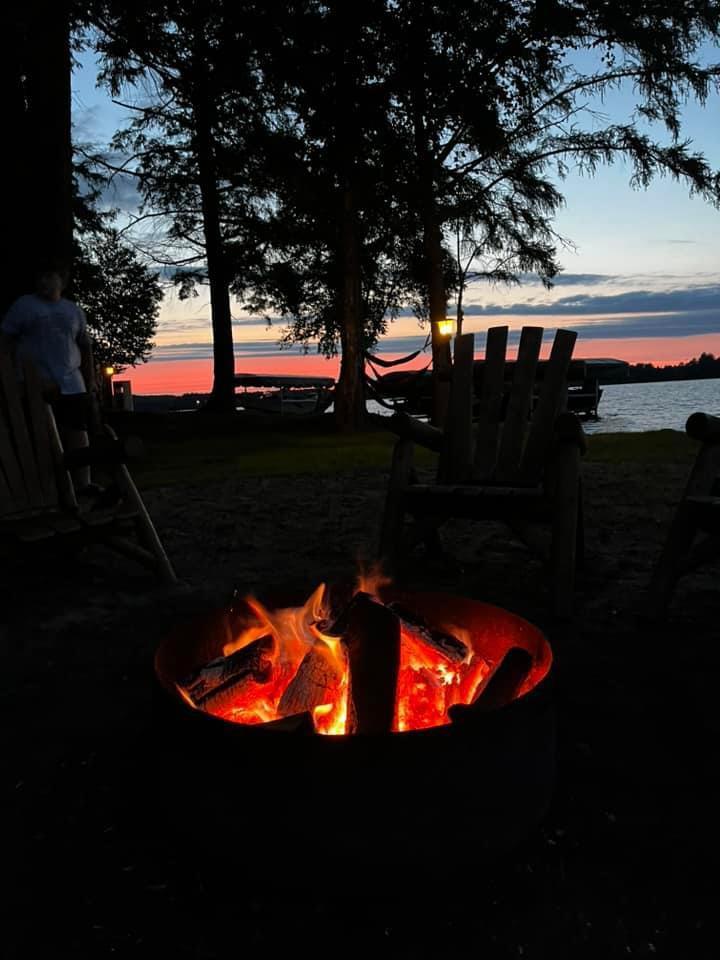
point(641, 281)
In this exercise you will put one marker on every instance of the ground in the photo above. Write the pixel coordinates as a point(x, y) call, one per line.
point(624, 864)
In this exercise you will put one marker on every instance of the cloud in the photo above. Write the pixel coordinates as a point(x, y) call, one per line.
point(571, 279)
point(121, 194)
point(633, 301)
point(676, 325)
point(690, 323)
point(246, 348)
point(599, 307)
point(670, 325)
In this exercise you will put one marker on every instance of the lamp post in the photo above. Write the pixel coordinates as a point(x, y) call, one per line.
point(447, 327)
point(443, 330)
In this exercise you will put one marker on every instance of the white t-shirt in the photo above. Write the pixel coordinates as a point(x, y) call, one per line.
point(47, 332)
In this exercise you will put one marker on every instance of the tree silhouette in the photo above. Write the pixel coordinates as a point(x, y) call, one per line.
point(496, 100)
point(190, 146)
point(37, 205)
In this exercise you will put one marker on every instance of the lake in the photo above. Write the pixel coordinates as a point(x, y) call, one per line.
point(634, 407)
point(630, 407)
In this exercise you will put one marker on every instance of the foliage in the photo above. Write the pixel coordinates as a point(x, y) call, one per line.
point(121, 298)
point(704, 367)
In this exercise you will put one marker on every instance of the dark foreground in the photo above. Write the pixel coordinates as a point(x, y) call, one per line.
point(624, 865)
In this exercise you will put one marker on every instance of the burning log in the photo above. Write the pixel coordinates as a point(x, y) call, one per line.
point(372, 637)
point(338, 626)
point(500, 686)
point(444, 643)
point(313, 683)
point(222, 675)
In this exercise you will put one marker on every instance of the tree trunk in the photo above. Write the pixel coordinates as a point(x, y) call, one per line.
point(222, 396)
point(432, 241)
point(38, 206)
point(14, 237)
point(350, 391)
point(437, 300)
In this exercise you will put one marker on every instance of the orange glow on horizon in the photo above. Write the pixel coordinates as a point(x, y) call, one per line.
point(195, 376)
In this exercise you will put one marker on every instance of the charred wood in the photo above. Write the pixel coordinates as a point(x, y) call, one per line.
point(372, 638)
point(225, 673)
point(499, 688)
point(313, 683)
point(444, 643)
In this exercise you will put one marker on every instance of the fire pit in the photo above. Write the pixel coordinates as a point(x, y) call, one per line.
point(380, 726)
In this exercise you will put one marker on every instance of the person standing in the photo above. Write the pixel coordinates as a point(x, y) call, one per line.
point(51, 331)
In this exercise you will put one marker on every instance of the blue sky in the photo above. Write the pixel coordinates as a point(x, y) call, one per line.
point(645, 264)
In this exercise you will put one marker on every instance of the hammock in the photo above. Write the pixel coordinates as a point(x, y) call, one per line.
point(374, 384)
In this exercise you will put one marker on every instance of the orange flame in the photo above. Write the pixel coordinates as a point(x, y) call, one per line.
point(429, 682)
point(372, 581)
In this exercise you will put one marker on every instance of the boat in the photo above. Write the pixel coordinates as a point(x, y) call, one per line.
point(584, 392)
point(284, 395)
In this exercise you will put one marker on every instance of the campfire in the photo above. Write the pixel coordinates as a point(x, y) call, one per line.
point(407, 707)
point(376, 661)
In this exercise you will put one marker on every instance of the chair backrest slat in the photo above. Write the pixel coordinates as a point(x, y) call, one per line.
point(519, 405)
point(553, 398)
point(19, 430)
point(38, 414)
point(457, 454)
point(489, 409)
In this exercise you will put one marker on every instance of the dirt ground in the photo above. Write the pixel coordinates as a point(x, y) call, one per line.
point(624, 865)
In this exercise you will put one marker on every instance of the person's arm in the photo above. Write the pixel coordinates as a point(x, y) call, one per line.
point(85, 345)
point(87, 361)
point(87, 368)
point(11, 327)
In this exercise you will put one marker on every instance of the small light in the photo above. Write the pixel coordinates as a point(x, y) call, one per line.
point(109, 371)
point(446, 327)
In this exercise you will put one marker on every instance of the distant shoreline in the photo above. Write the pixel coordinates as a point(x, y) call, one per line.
point(170, 401)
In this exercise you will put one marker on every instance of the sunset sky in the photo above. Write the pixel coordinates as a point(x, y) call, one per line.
point(641, 284)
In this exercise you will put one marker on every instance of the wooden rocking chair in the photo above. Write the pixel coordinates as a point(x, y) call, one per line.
point(519, 465)
point(38, 505)
point(694, 535)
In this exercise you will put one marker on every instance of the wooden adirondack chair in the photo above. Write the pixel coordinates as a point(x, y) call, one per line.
point(523, 470)
point(694, 535)
point(38, 505)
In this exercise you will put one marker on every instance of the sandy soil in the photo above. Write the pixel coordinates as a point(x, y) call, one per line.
point(623, 866)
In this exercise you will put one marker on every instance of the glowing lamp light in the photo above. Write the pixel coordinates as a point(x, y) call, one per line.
point(446, 327)
point(109, 371)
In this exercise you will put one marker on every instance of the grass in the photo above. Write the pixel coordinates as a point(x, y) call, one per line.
point(653, 446)
point(193, 448)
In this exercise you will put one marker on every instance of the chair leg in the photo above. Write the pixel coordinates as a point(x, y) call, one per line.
point(668, 568)
point(145, 528)
point(565, 530)
point(580, 534)
point(702, 551)
point(393, 519)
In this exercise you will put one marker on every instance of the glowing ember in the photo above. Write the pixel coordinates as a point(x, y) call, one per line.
point(303, 667)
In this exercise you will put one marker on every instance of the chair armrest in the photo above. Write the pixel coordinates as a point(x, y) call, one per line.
point(408, 428)
point(569, 430)
point(703, 427)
